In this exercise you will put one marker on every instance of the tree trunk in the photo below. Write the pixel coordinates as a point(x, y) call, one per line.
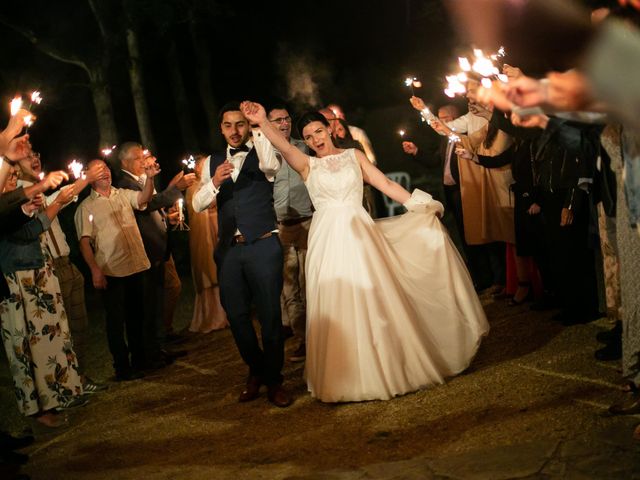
point(137, 89)
point(183, 112)
point(104, 108)
point(203, 76)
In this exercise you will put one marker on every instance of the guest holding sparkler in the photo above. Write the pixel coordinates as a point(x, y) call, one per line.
point(153, 228)
point(70, 278)
point(111, 244)
point(35, 328)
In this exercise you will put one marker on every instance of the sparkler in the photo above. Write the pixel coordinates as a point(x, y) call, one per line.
point(35, 98)
point(412, 82)
point(76, 168)
point(107, 151)
point(453, 139)
point(482, 66)
point(401, 133)
point(189, 163)
point(41, 176)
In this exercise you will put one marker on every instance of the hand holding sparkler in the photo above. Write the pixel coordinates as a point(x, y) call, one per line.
point(97, 171)
point(151, 168)
point(53, 179)
point(182, 181)
point(66, 195)
point(410, 148)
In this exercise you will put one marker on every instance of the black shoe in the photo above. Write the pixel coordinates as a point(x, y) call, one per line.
point(9, 442)
point(13, 458)
point(128, 375)
point(608, 336)
point(612, 351)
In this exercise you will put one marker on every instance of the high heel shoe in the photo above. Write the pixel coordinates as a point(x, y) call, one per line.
point(527, 297)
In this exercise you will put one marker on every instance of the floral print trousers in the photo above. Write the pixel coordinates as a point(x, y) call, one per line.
point(36, 337)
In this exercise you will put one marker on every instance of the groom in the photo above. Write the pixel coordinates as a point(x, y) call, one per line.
point(248, 254)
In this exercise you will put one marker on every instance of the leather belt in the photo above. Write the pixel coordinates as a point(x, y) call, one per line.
point(239, 239)
point(293, 221)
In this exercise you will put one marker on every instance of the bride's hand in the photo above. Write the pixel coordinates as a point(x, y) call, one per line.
point(254, 112)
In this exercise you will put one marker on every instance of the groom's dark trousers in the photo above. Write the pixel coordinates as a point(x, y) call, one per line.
point(250, 267)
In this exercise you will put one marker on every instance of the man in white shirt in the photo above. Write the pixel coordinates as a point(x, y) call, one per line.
point(248, 254)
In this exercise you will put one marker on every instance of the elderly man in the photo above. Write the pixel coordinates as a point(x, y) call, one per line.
point(153, 229)
point(293, 211)
point(111, 244)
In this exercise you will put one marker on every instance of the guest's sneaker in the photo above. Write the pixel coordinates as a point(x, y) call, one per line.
point(300, 354)
point(73, 402)
point(90, 387)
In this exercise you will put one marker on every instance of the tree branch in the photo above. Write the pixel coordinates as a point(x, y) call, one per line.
point(44, 47)
point(99, 20)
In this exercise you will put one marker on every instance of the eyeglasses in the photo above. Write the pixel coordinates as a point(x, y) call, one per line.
point(281, 120)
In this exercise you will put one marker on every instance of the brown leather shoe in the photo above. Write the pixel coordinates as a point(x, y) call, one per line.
point(252, 390)
point(279, 396)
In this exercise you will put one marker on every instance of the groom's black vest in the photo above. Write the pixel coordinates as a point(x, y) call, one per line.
point(246, 204)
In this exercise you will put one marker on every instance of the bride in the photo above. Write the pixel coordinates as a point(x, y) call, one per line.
point(390, 305)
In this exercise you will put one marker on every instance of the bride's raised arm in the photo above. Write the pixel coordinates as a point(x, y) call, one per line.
point(256, 114)
point(379, 180)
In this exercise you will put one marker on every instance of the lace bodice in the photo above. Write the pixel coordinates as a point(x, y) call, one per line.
point(335, 180)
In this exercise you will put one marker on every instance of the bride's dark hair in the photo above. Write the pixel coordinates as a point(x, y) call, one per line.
point(310, 117)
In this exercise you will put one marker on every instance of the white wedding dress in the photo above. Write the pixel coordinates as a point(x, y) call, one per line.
point(390, 305)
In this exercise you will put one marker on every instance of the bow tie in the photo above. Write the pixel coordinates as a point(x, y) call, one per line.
point(233, 151)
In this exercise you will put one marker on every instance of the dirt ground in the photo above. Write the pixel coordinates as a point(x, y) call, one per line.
point(532, 380)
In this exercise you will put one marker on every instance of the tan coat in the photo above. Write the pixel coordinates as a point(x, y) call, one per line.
point(487, 209)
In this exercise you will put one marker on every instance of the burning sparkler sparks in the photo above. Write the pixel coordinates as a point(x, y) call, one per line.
point(401, 133)
point(412, 82)
point(481, 66)
point(76, 168)
point(36, 97)
point(189, 163)
point(107, 151)
point(41, 176)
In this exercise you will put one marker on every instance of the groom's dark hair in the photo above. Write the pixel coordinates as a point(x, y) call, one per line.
point(232, 106)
